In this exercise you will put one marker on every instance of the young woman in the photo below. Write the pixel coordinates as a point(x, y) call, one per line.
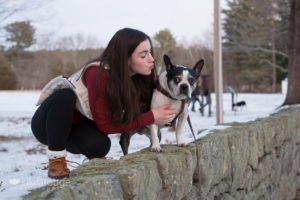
point(110, 94)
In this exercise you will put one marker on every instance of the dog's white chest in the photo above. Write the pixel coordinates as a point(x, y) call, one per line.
point(159, 99)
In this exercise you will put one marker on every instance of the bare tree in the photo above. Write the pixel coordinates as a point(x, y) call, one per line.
point(293, 94)
point(9, 8)
point(12, 8)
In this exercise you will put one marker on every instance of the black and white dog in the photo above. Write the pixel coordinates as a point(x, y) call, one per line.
point(175, 86)
point(239, 104)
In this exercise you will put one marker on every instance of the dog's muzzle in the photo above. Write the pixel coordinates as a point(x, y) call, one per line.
point(184, 89)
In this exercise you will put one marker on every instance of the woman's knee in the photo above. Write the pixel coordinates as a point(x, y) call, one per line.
point(65, 96)
point(39, 133)
point(38, 127)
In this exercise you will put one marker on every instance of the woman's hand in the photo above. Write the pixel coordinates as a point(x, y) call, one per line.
point(163, 114)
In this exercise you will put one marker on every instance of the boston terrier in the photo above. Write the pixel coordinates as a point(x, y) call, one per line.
point(175, 86)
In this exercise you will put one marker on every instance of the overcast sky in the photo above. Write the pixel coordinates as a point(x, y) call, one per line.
point(186, 19)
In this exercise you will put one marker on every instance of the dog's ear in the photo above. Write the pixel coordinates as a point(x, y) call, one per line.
point(168, 62)
point(198, 67)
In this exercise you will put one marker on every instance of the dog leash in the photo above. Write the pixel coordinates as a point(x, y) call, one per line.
point(183, 102)
point(198, 155)
point(173, 122)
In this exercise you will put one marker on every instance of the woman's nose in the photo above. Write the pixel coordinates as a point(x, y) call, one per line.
point(151, 59)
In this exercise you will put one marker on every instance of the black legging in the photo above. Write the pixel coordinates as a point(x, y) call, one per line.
point(52, 125)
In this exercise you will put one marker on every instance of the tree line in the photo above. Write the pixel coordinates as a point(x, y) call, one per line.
point(256, 43)
point(255, 50)
point(24, 69)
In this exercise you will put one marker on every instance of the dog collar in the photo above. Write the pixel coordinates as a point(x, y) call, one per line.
point(165, 92)
point(183, 102)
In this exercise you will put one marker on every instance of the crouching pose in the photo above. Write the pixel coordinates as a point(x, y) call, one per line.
point(110, 94)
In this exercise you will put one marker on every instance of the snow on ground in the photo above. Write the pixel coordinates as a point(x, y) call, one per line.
point(23, 159)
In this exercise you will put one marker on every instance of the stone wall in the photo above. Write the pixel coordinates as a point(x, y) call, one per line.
point(255, 160)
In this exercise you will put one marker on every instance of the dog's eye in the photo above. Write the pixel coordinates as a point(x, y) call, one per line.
point(191, 81)
point(177, 79)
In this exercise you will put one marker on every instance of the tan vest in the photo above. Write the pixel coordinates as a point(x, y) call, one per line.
point(75, 83)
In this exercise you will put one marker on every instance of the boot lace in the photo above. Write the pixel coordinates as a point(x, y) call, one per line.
point(58, 161)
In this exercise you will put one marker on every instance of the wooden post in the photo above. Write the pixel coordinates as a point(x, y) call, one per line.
point(218, 74)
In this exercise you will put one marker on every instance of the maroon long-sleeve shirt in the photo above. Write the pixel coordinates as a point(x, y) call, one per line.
point(102, 117)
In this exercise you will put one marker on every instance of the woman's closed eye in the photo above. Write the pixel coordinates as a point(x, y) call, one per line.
point(144, 54)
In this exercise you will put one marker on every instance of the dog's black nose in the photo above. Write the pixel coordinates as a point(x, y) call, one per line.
point(184, 88)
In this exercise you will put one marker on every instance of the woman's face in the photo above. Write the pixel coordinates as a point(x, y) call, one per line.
point(141, 60)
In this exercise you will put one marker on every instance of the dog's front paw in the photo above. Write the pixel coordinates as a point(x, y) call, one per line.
point(155, 148)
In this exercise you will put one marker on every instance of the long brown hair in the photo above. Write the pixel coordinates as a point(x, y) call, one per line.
point(127, 96)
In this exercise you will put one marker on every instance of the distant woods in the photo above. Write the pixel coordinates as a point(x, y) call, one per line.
point(255, 49)
point(256, 44)
point(32, 69)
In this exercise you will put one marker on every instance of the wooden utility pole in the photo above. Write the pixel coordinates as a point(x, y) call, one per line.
point(218, 73)
point(293, 94)
point(274, 61)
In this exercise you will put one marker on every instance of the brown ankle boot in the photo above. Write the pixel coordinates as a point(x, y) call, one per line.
point(58, 168)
